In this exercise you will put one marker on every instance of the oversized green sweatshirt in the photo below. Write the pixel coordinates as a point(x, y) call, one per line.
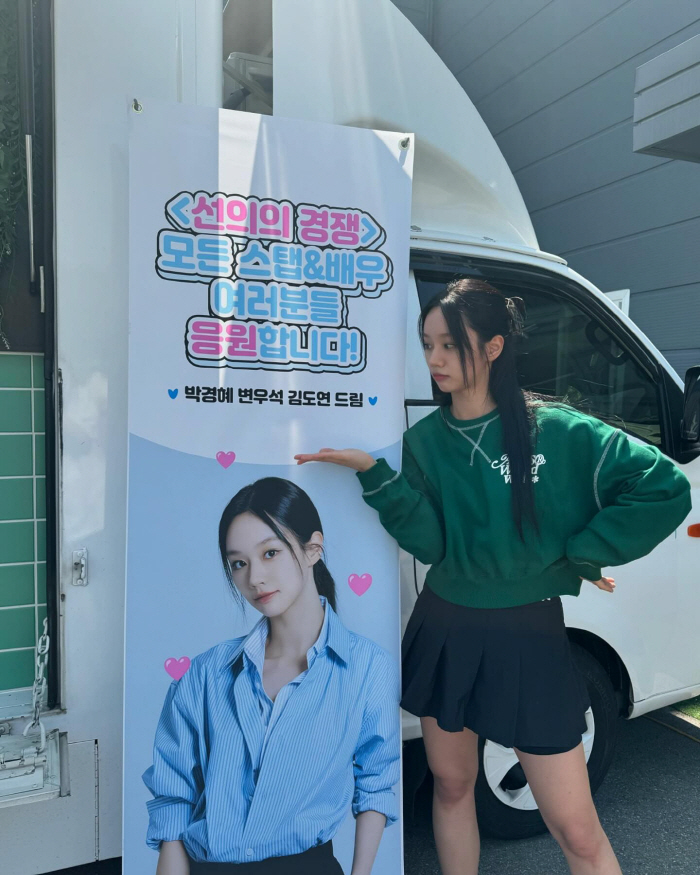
point(601, 499)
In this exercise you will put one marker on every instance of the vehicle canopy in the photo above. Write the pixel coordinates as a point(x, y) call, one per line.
point(364, 64)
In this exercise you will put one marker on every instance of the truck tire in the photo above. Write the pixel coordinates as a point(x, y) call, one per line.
point(505, 806)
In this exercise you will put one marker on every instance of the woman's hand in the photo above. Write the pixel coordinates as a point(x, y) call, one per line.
point(607, 584)
point(358, 460)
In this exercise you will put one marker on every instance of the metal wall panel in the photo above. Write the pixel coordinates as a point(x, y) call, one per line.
point(681, 360)
point(452, 16)
point(589, 164)
point(586, 166)
point(631, 206)
point(659, 259)
point(667, 103)
point(587, 110)
point(481, 33)
point(630, 30)
point(555, 84)
point(657, 313)
point(545, 39)
point(582, 114)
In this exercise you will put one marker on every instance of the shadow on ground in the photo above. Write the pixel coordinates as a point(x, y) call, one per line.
point(649, 806)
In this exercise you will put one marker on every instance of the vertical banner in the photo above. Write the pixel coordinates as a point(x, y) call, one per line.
point(268, 281)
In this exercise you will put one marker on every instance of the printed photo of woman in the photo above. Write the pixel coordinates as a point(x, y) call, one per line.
point(269, 740)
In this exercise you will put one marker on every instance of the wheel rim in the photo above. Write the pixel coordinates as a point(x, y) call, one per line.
point(499, 763)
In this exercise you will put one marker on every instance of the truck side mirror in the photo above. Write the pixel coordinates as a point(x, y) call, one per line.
point(690, 426)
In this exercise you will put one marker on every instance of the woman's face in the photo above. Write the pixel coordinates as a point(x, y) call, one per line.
point(442, 355)
point(264, 568)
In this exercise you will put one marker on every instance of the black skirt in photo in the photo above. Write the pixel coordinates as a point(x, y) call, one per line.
point(505, 673)
point(318, 860)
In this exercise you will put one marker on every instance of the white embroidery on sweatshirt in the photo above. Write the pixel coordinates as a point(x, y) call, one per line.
point(465, 428)
point(503, 465)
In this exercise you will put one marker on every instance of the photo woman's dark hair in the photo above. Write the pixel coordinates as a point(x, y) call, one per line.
point(281, 505)
point(488, 312)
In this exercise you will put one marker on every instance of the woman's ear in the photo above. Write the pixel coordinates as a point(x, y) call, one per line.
point(314, 548)
point(494, 347)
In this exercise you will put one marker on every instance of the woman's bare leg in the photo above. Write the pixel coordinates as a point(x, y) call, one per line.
point(454, 761)
point(559, 783)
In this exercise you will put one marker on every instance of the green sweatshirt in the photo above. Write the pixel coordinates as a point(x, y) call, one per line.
point(601, 499)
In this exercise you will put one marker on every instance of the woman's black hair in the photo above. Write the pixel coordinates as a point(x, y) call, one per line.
point(280, 504)
point(476, 303)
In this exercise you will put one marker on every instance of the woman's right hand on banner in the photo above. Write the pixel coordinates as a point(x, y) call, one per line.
point(358, 460)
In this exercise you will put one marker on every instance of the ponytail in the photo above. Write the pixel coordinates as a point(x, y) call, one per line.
point(478, 304)
point(325, 585)
point(518, 427)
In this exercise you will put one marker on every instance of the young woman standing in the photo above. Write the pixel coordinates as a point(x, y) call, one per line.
point(513, 502)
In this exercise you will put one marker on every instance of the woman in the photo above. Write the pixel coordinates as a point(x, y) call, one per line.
point(268, 740)
point(513, 502)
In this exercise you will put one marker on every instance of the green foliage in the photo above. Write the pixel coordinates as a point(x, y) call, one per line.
point(691, 707)
point(12, 172)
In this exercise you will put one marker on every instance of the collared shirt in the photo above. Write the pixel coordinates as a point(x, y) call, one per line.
point(239, 778)
point(254, 659)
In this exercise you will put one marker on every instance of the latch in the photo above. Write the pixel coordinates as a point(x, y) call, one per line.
point(80, 567)
point(29, 773)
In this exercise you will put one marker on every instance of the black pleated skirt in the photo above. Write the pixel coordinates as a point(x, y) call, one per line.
point(505, 673)
point(318, 860)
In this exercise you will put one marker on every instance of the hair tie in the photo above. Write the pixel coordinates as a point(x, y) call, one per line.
point(516, 311)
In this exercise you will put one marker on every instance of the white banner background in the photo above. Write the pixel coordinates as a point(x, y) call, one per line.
point(284, 159)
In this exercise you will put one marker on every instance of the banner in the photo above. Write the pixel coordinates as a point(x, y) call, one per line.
point(268, 281)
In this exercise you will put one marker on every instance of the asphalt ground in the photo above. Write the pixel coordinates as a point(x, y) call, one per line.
point(649, 805)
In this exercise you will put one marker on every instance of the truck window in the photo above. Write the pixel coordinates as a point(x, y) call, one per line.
point(568, 354)
point(247, 45)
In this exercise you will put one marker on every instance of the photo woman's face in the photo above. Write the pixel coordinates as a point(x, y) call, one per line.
point(264, 569)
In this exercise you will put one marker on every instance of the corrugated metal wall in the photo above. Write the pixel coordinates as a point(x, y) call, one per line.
point(554, 81)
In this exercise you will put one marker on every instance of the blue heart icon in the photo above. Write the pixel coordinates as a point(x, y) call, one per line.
point(172, 393)
point(372, 401)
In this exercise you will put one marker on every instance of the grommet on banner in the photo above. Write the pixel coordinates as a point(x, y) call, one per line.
point(136, 106)
point(405, 143)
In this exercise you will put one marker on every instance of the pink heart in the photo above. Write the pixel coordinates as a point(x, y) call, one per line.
point(176, 668)
point(225, 459)
point(359, 584)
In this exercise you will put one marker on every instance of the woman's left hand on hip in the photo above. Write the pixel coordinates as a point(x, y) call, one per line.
point(605, 583)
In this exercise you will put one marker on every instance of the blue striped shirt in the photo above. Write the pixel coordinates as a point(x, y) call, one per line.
point(239, 778)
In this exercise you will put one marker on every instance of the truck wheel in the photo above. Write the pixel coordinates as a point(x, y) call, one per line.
point(506, 808)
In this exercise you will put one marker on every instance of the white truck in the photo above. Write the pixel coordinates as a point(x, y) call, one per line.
point(350, 62)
